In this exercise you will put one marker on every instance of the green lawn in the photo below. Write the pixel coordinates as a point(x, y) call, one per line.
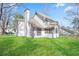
point(22, 46)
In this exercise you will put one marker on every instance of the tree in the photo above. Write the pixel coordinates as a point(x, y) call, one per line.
point(5, 10)
point(17, 16)
point(73, 15)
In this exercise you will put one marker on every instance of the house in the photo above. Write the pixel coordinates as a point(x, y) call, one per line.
point(39, 25)
point(67, 31)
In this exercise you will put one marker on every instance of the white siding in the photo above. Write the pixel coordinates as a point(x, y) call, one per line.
point(27, 26)
point(21, 29)
point(56, 32)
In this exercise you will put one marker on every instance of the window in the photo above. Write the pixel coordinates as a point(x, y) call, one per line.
point(38, 31)
point(48, 31)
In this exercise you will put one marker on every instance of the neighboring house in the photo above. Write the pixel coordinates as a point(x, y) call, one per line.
point(66, 31)
point(39, 25)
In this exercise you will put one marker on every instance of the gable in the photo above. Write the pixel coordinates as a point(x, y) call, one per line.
point(44, 17)
point(42, 21)
point(37, 22)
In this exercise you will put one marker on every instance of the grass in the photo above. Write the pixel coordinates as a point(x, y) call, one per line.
point(11, 45)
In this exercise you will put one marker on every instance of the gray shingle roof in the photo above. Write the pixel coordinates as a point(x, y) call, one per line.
point(44, 17)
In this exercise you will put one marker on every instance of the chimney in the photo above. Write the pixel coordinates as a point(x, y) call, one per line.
point(26, 15)
point(27, 18)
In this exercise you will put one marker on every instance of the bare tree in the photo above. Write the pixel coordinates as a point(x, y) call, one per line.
point(5, 10)
point(16, 17)
point(73, 15)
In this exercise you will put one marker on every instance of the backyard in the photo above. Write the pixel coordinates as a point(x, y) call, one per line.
point(11, 45)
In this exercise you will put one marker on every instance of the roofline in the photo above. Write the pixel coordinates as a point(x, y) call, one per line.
point(26, 9)
point(47, 17)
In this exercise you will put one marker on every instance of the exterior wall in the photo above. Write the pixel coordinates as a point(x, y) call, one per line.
point(20, 29)
point(48, 35)
point(43, 34)
point(35, 33)
point(27, 26)
point(56, 32)
point(55, 35)
point(23, 27)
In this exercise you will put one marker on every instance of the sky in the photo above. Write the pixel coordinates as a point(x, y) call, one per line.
point(56, 11)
